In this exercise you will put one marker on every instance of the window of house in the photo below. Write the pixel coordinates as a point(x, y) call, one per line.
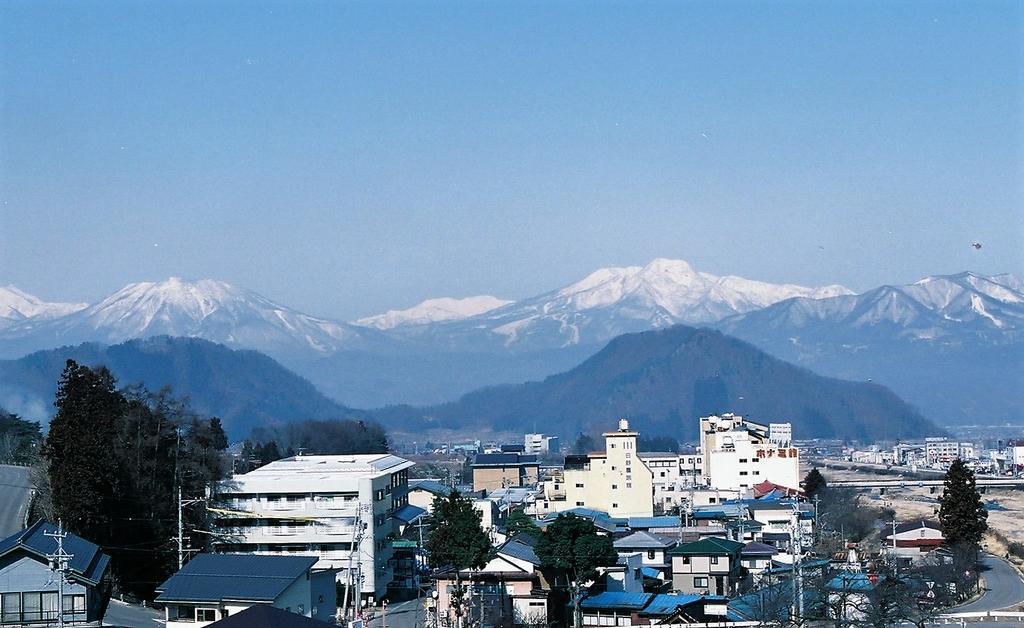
point(628, 455)
point(629, 485)
point(650, 554)
point(50, 605)
point(579, 485)
point(612, 446)
point(74, 604)
point(628, 470)
point(206, 614)
point(10, 607)
point(742, 460)
point(662, 474)
point(714, 560)
point(579, 503)
point(185, 612)
point(743, 472)
point(615, 487)
point(700, 582)
point(756, 473)
point(32, 606)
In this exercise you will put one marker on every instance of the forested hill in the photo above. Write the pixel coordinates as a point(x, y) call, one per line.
point(246, 389)
point(663, 380)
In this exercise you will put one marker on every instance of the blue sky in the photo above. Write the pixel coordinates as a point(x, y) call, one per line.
point(346, 158)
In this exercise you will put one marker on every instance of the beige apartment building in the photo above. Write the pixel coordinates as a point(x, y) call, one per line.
point(616, 481)
point(505, 470)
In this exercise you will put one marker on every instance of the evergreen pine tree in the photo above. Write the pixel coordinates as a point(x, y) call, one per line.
point(457, 541)
point(814, 482)
point(519, 522)
point(572, 548)
point(80, 452)
point(961, 512)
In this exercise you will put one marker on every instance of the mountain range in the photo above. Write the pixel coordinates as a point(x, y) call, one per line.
point(962, 331)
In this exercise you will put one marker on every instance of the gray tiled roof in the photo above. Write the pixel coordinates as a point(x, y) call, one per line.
point(241, 577)
point(644, 540)
point(521, 546)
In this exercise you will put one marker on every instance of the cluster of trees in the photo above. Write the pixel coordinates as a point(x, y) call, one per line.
point(113, 464)
point(19, 439)
point(311, 436)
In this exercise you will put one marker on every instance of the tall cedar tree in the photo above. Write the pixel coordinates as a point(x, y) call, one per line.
point(80, 451)
point(150, 445)
point(961, 512)
point(814, 482)
point(572, 548)
point(457, 539)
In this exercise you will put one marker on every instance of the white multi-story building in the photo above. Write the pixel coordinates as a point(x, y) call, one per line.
point(941, 450)
point(541, 444)
point(674, 475)
point(1015, 451)
point(616, 481)
point(738, 454)
point(340, 509)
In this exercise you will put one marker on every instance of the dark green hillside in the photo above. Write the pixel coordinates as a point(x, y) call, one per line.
point(664, 380)
point(246, 389)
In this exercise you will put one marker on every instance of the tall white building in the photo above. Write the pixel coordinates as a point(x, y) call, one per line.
point(340, 509)
point(541, 444)
point(738, 454)
point(673, 477)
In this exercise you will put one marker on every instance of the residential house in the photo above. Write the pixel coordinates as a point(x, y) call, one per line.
point(757, 557)
point(29, 592)
point(711, 565)
point(652, 549)
point(211, 587)
point(914, 539)
point(509, 589)
point(338, 509)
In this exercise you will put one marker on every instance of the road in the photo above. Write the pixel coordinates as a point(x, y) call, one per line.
point(15, 491)
point(405, 615)
point(122, 614)
point(1004, 588)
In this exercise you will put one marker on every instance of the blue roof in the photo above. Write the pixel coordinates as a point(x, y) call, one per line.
point(616, 599)
point(664, 521)
point(851, 581)
point(408, 513)
point(236, 577)
point(668, 603)
point(88, 563)
point(650, 572)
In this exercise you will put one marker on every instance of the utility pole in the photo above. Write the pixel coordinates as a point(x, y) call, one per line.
point(59, 562)
point(798, 575)
point(182, 550)
point(354, 553)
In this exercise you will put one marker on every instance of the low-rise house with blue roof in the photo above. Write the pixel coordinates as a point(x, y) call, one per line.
point(614, 608)
point(211, 587)
point(711, 565)
point(29, 592)
point(757, 557)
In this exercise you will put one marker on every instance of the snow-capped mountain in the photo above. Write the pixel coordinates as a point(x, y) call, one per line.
point(17, 305)
point(433, 311)
point(207, 309)
point(949, 306)
point(613, 301)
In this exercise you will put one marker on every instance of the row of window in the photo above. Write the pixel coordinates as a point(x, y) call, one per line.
point(39, 606)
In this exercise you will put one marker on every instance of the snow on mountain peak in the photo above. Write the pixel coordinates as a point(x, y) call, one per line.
point(18, 305)
point(434, 311)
